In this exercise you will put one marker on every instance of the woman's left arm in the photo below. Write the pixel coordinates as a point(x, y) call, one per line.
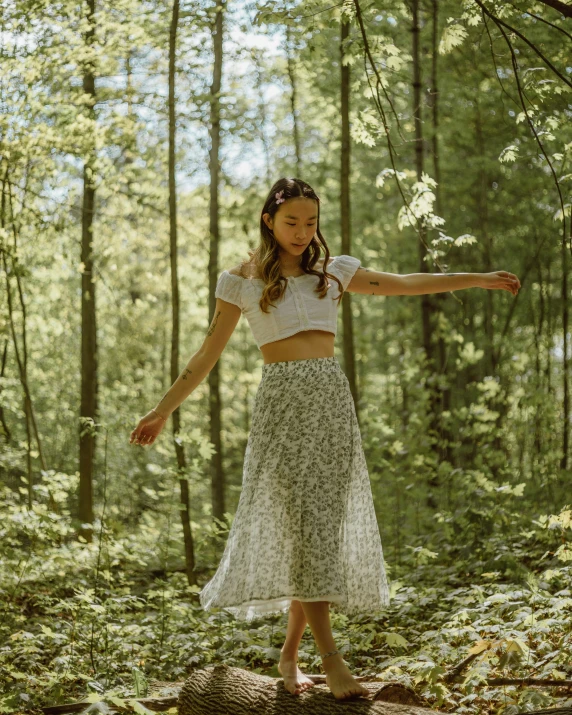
point(372, 282)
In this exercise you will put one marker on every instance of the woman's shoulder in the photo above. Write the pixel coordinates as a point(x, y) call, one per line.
point(245, 269)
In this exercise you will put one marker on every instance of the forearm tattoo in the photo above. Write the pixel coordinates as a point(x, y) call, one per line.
point(184, 375)
point(213, 325)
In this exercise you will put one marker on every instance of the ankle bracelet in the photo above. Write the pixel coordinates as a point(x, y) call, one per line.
point(332, 652)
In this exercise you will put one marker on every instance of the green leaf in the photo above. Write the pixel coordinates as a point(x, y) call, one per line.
point(395, 640)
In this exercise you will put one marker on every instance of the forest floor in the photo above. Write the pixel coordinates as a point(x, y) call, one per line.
point(96, 621)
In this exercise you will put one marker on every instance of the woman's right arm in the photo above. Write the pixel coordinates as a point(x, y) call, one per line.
point(226, 317)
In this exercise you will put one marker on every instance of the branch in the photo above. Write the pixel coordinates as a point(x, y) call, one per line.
point(500, 22)
point(566, 10)
point(379, 106)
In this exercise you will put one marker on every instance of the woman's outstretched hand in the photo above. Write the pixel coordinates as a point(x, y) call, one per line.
point(148, 429)
point(500, 279)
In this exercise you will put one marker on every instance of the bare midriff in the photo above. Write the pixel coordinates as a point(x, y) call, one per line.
point(300, 346)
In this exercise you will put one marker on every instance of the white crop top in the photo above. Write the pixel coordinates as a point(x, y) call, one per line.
point(299, 309)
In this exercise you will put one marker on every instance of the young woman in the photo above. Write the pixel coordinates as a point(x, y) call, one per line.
point(305, 532)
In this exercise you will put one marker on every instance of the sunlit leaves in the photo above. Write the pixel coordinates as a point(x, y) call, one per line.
point(509, 153)
point(453, 36)
point(420, 207)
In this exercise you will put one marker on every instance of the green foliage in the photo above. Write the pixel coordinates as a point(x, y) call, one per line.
point(473, 506)
point(81, 618)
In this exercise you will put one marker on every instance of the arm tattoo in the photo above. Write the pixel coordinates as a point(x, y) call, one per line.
point(374, 283)
point(184, 375)
point(213, 325)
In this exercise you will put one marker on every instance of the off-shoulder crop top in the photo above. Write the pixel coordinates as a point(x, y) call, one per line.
point(300, 307)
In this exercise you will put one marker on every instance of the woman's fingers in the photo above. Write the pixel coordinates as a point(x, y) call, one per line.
point(506, 281)
point(140, 437)
point(141, 434)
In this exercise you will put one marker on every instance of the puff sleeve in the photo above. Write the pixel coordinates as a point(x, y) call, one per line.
point(229, 288)
point(345, 266)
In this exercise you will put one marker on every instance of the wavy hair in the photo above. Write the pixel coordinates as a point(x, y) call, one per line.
point(266, 257)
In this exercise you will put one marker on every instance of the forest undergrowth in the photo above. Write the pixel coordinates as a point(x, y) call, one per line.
point(97, 620)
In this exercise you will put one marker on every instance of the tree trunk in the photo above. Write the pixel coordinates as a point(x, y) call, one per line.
point(565, 367)
point(290, 55)
point(89, 402)
point(446, 451)
point(345, 208)
point(21, 361)
point(175, 303)
point(217, 476)
point(6, 434)
point(427, 307)
point(482, 214)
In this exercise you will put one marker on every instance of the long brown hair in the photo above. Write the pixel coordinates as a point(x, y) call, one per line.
point(265, 256)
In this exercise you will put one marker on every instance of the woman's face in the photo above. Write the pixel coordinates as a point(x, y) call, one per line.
point(294, 224)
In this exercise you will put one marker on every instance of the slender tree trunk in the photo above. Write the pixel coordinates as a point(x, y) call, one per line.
point(549, 386)
point(217, 476)
point(292, 75)
point(6, 434)
point(89, 401)
point(482, 211)
point(446, 451)
point(345, 206)
point(175, 303)
point(22, 361)
point(538, 413)
point(427, 306)
point(434, 104)
point(417, 119)
point(565, 365)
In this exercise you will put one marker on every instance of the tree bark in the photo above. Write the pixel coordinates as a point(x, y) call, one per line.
point(89, 401)
point(345, 209)
point(440, 298)
point(565, 361)
point(292, 75)
point(483, 223)
point(427, 305)
point(235, 691)
point(21, 360)
point(175, 303)
point(217, 476)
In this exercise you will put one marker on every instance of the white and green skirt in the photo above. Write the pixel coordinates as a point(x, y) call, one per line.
point(305, 526)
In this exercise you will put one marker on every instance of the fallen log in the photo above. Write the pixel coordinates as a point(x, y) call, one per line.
point(235, 691)
point(155, 704)
point(205, 691)
point(455, 673)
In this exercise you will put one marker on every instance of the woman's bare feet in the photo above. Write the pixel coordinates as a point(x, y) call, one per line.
point(339, 679)
point(295, 681)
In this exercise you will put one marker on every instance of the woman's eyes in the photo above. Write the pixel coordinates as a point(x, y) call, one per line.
point(293, 224)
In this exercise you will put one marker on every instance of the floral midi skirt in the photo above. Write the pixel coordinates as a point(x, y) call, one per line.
point(305, 527)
